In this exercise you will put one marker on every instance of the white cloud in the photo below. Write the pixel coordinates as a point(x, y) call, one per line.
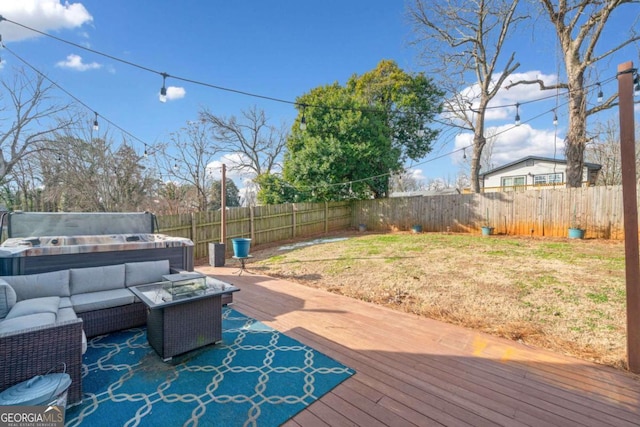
point(417, 174)
point(174, 92)
point(43, 15)
point(235, 170)
point(74, 62)
point(517, 94)
point(513, 143)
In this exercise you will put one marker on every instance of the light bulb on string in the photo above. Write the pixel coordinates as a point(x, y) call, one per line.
point(555, 118)
point(600, 94)
point(96, 126)
point(163, 90)
point(464, 153)
point(303, 121)
point(517, 114)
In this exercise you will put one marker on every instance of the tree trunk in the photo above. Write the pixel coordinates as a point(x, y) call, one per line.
point(576, 134)
point(479, 141)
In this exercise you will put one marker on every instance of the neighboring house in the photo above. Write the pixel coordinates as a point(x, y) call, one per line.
point(534, 172)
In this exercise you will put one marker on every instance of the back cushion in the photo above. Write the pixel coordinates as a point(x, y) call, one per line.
point(140, 273)
point(7, 298)
point(51, 284)
point(95, 279)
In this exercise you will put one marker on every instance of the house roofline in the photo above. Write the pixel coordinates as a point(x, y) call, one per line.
point(590, 166)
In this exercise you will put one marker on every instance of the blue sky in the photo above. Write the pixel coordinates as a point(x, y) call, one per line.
point(280, 49)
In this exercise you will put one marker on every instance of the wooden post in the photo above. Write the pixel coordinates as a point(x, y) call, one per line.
point(193, 230)
point(223, 205)
point(252, 225)
point(630, 205)
point(293, 219)
point(326, 216)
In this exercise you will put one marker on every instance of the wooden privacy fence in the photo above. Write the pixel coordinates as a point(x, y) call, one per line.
point(544, 212)
point(262, 224)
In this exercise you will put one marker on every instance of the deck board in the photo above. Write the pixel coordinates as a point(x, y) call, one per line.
point(416, 371)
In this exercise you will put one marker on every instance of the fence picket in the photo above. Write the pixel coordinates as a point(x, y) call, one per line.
point(539, 212)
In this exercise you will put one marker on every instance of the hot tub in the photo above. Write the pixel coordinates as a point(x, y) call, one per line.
point(49, 251)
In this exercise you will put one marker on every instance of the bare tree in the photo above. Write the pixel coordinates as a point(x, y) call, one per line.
point(405, 181)
point(257, 144)
point(187, 160)
point(172, 199)
point(30, 118)
point(604, 149)
point(84, 171)
point(462, 37)
point(578, 25)
point(26, 184)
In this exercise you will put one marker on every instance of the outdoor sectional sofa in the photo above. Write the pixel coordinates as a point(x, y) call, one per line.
point(45, 318)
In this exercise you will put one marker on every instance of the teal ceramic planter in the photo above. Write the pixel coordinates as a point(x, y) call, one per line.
point(241, 247)
point(576, 233)
point(416, 228)
point(487, 231)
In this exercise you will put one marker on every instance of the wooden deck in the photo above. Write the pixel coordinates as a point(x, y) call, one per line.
point(412, 371)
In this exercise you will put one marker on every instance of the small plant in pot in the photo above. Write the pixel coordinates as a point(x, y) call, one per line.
point(487, 229)
point(576, 230)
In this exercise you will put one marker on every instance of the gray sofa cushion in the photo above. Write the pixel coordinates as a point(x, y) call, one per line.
point(54, 283)
point(141, 273)
point(35, 306)
point(65, 302)
point(8, 298)
point(25, 322)
point(101, 300)
point(95, 279)
point(66, 314)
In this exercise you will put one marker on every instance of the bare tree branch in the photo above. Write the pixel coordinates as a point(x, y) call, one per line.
point(459, 37)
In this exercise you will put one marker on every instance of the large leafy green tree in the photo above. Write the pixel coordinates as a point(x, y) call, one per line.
point(275, 190)
point(358, 134)
point(232, 194)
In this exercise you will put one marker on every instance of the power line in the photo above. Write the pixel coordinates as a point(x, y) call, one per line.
point(78, 100)
point(165, 75)
point(246, 93)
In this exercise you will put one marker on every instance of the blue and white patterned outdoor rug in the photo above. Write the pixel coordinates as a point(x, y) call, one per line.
point(255, 377)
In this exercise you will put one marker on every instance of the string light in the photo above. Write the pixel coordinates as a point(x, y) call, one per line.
point(464, 153)
point(96, 126)
point(163, 90)
point(555, 118)
point(600, 94)
point(164, 75)
point(303, 121)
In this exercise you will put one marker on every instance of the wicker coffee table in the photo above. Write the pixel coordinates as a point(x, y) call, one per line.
point(184, 312)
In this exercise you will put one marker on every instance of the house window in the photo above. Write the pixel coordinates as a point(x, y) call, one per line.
point(512, 181)
point(550, 178)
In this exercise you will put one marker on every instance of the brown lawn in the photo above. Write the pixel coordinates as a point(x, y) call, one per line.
point(564, 295)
